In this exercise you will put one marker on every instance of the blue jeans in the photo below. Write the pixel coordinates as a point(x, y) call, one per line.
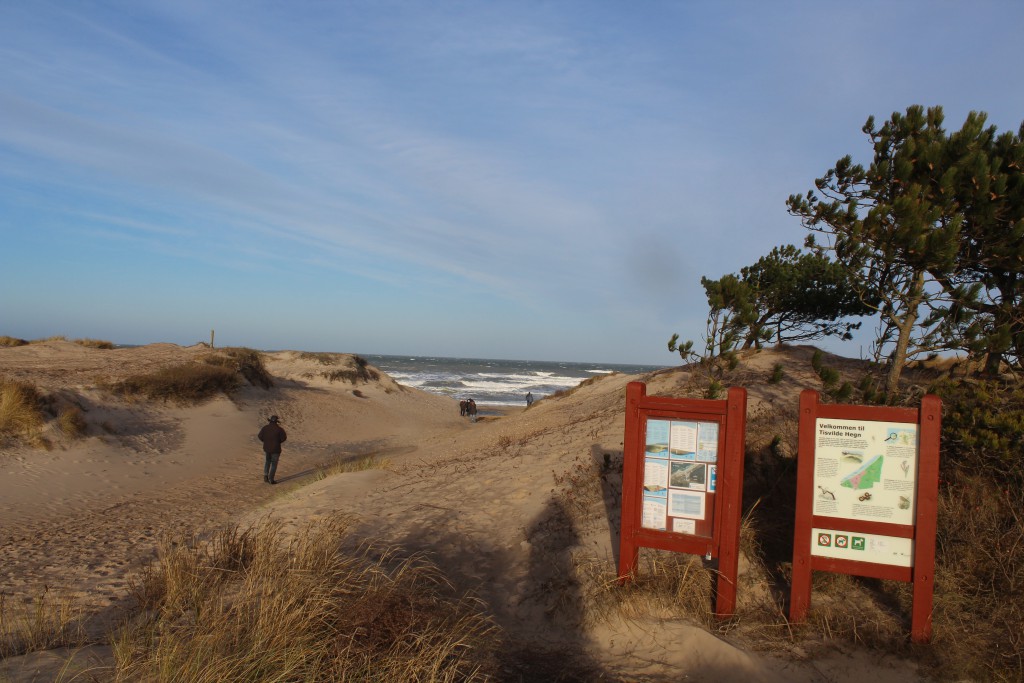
point(270, 465)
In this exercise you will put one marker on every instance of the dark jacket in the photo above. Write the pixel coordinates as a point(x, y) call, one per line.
point(272, 435)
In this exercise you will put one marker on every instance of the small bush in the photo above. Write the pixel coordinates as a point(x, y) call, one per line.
point(183, 384)
point(714, 390)
point(21, 411)
point(11, 341)
point(777, 374)
point(95, 343)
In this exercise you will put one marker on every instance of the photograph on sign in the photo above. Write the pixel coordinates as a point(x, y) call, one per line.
point(683, 443)
point(689, 475)
point(865, 470)
point(853, 545)
point(655, 474)
point(707, 442)
point(712, 478)
point(655, 510)
point(657, 437)
point(686, 504)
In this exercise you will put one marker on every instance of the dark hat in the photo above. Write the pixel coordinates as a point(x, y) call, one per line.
point(272, 418)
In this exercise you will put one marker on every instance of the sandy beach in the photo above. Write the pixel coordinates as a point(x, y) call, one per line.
point(485, 501)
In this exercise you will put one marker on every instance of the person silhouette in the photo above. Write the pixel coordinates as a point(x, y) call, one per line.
point(272, 435)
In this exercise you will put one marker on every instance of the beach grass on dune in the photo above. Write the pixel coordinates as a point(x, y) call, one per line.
point(257, 605)
point(95, 343)
point(343, 464)
point(46, 622)
point(185, 384)
point(12, 341)
point(21, 412)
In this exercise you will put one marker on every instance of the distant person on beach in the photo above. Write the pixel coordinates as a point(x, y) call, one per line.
point(463, 407)
point(272, 435)
point(529, 399)
point(471, 409)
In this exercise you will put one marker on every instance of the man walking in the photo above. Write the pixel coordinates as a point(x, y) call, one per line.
point(272, 435)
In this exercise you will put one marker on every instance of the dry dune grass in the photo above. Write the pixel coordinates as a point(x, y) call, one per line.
point(191, 383)
point(21, 414)
point(46, 622)
point(254, 605)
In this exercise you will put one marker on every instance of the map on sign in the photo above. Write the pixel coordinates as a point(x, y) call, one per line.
point(866, 476)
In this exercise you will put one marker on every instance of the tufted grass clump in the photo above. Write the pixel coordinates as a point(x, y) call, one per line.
point(21, 409)
point(185, 384)
point(248, 362)
point(95, 343)
point(11, 341)
point(259, 605)
point(359, 371)
point(71, 422)
point(48, 621)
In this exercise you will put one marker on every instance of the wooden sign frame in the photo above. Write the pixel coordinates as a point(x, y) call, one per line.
point(921, 533)
point(722, 539)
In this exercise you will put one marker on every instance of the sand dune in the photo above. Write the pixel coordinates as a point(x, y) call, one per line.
point(480, 498)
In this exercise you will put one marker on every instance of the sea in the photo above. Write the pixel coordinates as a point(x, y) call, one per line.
point(492, 382)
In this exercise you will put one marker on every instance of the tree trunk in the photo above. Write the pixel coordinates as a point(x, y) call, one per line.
point(898, 359)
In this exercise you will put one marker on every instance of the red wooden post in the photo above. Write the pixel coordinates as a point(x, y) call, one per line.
point(632, 477)
point(731, 479)
point(927, 516)
point(800, 595)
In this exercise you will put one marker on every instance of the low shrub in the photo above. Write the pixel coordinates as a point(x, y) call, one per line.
point(254, 605)
point(11, 341)
point(183, 384)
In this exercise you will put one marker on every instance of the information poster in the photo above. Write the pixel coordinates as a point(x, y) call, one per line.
point(680, 473)
point(865, 470)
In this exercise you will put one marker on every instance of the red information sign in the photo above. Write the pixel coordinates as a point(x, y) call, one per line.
point(682, 481)
point(867, 498)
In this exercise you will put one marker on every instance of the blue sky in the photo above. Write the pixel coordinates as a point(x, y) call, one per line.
point(530, 180)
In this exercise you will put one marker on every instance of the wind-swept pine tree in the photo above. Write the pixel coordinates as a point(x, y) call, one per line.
point(894, 225)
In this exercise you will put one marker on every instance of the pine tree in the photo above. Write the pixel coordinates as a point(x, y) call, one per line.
point(893, 225)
